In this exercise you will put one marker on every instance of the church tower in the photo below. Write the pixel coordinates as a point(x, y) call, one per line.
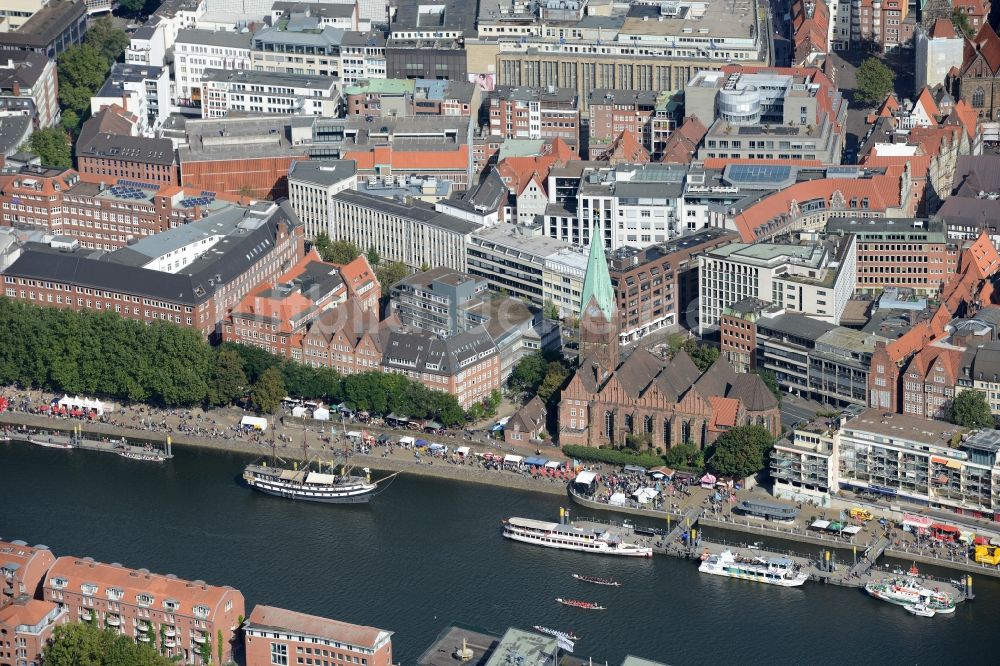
point(599, 323)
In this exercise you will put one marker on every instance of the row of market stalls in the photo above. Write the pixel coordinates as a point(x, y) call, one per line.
point(75, 406)
point(835, 527)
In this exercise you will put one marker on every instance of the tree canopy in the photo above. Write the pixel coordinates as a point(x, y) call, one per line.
point(106, 38)
point(52, 147)
point(83, 68)
point(336, 251)
point(741, 452)
point(268, 391)
point(83, 644)
point(702, 355)
point(971, 410)
point(875, 81)
point(539, 374)
point(960, 20)
point(391, 273)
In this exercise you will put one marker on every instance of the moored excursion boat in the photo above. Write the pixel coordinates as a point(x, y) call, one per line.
point(312, 486)
point(145, 456)
point(568, 635)
point(49, 444)
point(568, 537)
point(576, 603)
point(919, 609)
point(597, 580)
point(908, 592)
point(773, 571)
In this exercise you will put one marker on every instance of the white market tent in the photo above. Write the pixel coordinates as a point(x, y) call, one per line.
point(645, 495)
point(511, 459)
point(585, 478)
point(298, 411)
point(258, 422)
point(554, 464)
point(463, 451)
point(354, 434)
point(407, 440)
point(321, 414)
point(618, 499)
point(86, 404)
point(851, 529)
point(820, 525)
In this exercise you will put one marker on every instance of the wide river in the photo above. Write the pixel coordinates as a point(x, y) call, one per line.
point(428, 553)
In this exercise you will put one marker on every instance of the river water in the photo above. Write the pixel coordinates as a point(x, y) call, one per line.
point(428, 553)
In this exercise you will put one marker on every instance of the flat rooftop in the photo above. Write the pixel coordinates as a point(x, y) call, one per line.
point(442, 650)
point(248, 77)
point(901, 426)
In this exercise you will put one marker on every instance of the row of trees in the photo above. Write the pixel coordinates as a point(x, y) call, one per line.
point(104, 354)
point(269, 378)
point(540, 373)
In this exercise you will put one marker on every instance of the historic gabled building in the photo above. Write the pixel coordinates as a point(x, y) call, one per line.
point(978, 78)
point(648, 400)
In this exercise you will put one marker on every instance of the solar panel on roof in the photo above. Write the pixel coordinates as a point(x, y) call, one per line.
point(758, 173)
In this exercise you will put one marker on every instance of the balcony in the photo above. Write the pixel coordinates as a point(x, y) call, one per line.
point(142, 625)
point(113, 620)
point(169, 643)
point(143, 637)
point(198, 637)
point(169, 632)
point(85, 614)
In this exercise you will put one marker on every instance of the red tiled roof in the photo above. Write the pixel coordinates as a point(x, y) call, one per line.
point(517, 172)
point(988, 43)
point(919, 164)
point(964, 115)
point(909, 343)
point(980, 257)
point(30, 613)
point(625, 149)
point(682, 144)
point(926, 100)
point(312, 625)
point(133, 582)
point(357, 273)
point(882, 191)
point(724, 411)
point(943, 29)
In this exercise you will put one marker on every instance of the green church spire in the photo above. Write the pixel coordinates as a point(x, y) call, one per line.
point(597, 282)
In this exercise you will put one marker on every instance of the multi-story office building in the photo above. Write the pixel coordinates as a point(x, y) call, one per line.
point(635, 46)
point(654, 285)
point(768, 113)
point(107, 158)
point(562, 280)
point(138, 604)
point(903, 253)
point(311, 186)
point(142, 90)
point(170, 276)
point(814, 279)
point(243, 155)
point(630, 205)
point(28, 87)
point(535, 113)
point(267, 93)
point(804, 466)
point(983, 373)
point(412, 97)
point(414, 233)
point(279, 636)
point(362, 56)
point(916, 460)
point(335, 14)
point(615, 111)
point(514, 259)
point(198, 50)
point(51, 27)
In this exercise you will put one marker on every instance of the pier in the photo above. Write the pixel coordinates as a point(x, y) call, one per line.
point(822, 568)
point(76, 440)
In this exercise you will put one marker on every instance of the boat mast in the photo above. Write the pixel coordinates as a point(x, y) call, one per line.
point(274, 446)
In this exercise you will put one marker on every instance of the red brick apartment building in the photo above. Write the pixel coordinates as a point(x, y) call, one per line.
point(169, 276)
point(279, 637)
point(26, 623)
point(535, 113)
point(183, 615)
point(107, 158)
point(105, 217)
point(279, 316)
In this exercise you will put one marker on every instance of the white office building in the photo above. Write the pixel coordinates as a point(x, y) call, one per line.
point(311, 186)
point(196, 51)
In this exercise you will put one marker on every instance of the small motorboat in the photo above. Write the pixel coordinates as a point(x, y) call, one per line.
point(569, 635)
point(586, 605)
point(919, 609)
point(49, 444)
point(596, 580)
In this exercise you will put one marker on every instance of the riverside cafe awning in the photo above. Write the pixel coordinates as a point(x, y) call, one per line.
point(834, 527)
point(916, 524)
point(585, 482)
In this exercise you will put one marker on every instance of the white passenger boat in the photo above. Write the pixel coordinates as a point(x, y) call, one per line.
point(773, 571)
point(919, 609)
point(568, 537)
point(907, 591)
